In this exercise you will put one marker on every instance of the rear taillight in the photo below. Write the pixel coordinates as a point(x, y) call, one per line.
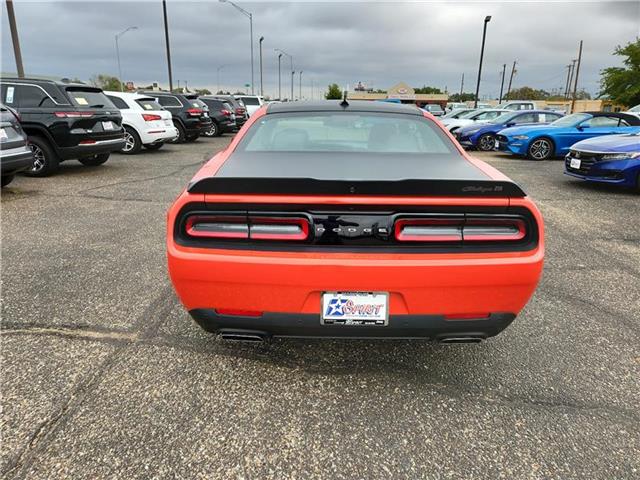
point(224, 112)
point(87, 142)
point(494, 230)
point(73, 114)
point(233, 312)
point(251, 228)
point(149, 117)
point(483, 229)
point(428, 230)
point(194, 112)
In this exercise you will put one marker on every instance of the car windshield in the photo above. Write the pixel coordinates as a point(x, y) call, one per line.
point(456, 113)
point(571, 120)
point(470, 114)
point(504, 118)
point(346, 132)
point(635, 109)
point(89, 98)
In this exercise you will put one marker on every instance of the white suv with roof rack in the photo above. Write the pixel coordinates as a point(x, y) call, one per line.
point(251, 102)
point(144, 120)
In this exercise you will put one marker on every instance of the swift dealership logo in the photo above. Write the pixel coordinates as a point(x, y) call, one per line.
point(339, 307)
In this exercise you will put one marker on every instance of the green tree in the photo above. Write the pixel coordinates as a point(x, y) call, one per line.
point(622, 84)
point(527, 93)
point(106, 82)
point(203, 91)
point(333, 92)
point(465, 97)
point(427, 90)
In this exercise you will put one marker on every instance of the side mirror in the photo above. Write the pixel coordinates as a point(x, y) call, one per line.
point(582, 127)
point(511, 124)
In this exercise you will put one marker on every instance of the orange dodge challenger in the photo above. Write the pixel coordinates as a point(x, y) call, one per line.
point(352, 219)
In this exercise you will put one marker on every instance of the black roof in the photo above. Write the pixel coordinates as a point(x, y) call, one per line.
point(335, 106)
point(60, 83)
point(627, 117)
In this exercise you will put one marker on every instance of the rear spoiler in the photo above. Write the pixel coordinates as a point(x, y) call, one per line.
point(312, 186)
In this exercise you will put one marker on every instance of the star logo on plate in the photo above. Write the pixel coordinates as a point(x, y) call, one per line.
point(335, 306)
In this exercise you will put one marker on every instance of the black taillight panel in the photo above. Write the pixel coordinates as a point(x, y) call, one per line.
point(357, 228)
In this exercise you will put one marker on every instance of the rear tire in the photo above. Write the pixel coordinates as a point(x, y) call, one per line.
point(154, 146)
point(214, 130)
point(45, 159)
point(94, 160)
point(487, 142)
point(132, 144)
point(7, 179)
point(541, 149)
point(181, 135)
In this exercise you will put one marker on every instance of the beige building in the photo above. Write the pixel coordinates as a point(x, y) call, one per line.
point(404, 93)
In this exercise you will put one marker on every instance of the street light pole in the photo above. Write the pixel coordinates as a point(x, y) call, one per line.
point(118, 35)
point(575, 85)
point(14, 39)
point(261, 84)
point(166, 38)
point(218, 75)
point(487, 19)
point(291, 64)
point(250, 16)
point(513, 72)
point(300, 87)
point(279, 78)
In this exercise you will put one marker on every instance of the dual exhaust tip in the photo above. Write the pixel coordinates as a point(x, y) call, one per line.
point(257, 337)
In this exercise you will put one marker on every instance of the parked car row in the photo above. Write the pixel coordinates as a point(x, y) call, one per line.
point(45, 122)
point(597, 146)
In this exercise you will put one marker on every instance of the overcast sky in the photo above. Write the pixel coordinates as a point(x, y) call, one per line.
point(377, 43)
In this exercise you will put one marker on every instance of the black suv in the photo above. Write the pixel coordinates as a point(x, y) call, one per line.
point(64, 121)
point(15, 155)
point(222, 116)
point(189, 113)
point(238, 106)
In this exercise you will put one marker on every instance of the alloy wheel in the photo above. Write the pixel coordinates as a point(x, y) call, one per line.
point(39, 159)
point(540, 149)
point(487, 143)
point(129, 142)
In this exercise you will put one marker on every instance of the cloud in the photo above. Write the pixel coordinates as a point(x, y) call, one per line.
point(373, 42)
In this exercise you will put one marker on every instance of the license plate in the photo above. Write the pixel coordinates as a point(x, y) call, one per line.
point(107, 126)
point(168, 123)
point(355, 308)
point(497, 144)
point(3, 133)
point(575, 163)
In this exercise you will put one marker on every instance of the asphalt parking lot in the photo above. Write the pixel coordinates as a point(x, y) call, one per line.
point(104, 375)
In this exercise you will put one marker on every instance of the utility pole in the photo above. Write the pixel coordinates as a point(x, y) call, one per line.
point(14, 38)
point(293, 74)
point(573, 70)
point(300, 86)
point(566, 84)
point(261, 84)
point(575, 85)
point(461, 87)
point(513, 72)
point(166, 37)
point(279, 78)
point(487, 19)
point(504, 71)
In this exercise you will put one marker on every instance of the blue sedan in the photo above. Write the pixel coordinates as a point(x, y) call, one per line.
point(483, 135)
point(541, 142)
point(613, 159)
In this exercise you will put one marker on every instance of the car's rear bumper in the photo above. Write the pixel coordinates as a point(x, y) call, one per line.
point(87, 150)
point(434, 327)
point(158, 135)
point(15, 160)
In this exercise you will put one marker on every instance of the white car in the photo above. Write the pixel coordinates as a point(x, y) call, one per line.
point(144, 120)
point(520, 105)
point(475, 116)
point(451, 106)
point(634, 111)
point(251, 102)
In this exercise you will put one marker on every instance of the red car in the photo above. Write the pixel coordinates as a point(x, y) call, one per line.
point(359, 219)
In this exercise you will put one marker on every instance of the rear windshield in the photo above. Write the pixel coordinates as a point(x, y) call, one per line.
point(149, 104)
point(197, 103)
point(250, 101)
point(89, 98)
point(346, 132)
